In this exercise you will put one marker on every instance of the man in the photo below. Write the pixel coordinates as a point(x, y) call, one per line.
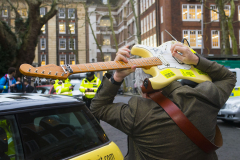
point(89, 86)
point(28, 87)
point(152, 134)
point(62, 89)
point(8, 82)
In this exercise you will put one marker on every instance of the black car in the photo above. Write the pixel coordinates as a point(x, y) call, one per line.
point(49, 127)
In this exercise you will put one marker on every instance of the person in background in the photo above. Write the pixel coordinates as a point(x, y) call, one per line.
point(89, 87)
point(63, 89)
point(8, 82)
point(28, 87)
point(20, 89)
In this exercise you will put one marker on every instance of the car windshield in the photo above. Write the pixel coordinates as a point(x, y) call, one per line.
point(60, 133)
point(43, 90)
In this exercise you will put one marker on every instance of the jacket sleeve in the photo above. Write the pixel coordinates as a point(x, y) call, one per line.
point(2, 83)
point(223, 82)
point(82, 87)
point(119, 115)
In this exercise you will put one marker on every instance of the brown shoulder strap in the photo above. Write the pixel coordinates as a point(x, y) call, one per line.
point(185, 125)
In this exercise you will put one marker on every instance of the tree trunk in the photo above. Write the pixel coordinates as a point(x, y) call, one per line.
point(231, 30)
point(225, 46)
point(136, 21)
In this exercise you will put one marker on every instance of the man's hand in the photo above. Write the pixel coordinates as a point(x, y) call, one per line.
point(187, 56)
point(89, 90)
point(71, 87)
point(13, 85)
point(120, 74)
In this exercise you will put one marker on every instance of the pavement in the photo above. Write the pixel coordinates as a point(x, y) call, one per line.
point(131, 94)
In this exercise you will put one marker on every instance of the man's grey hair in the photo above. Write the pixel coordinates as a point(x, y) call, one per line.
point(140, 76)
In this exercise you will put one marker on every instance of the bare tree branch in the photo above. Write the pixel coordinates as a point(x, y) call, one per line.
point(51, 13)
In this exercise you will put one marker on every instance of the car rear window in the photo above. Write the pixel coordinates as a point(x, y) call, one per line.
point(60, 133)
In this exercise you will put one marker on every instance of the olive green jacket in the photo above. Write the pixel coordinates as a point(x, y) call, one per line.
point(152, 133)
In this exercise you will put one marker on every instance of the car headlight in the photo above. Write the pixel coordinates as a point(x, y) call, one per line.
point(232, 106)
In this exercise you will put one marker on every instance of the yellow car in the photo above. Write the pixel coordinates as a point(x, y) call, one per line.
point(51, 127)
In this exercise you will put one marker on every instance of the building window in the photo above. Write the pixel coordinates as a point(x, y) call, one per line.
point(62, 59)
point(106, 40)
point(142, 27)
point(227, 10)
point(191, 12)
point(145, 25)
point(150, 3)
point(214, 15)
point(43, 29)
point(162, 37)
point(150, 20)
point(72, 28)
point(143, 6)
point(105, 21)
point(43, 59)
point(61, 12)
point(215, 39)
point(133, 28)
point(42, 43)
point(147, 18)
point(62, 43)
point(4, 12)
point(239, 14)
point(148, 43)
point(107, 57)
point(129, 30)
point(147, 4)
point(120, 17)
point(71, 43)
point(23, 12)
point(72, 59)
point(154, 19)
point(194, 37)
point(42, 12)
point(104, 1)
point(151, 41)
point(71, 13)
point(62, 27)
point(161, 10)
point(154, 41)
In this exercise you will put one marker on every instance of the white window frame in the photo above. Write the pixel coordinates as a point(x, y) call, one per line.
point(151, 41)
point(45, 57)
point(215, 8)
point(161, 10)
point(162, 37)
point(147, 4)
point(61, 55)
point(141, 5)
point(3, 9)
point(144, 6)
point(188, 19)
point(42, 40)
point(148, 43)
point(150, 20)
point(154, 19)
point(72, 23)
point(59, 14)
point(154, 41)
point(147, 23)
point(64, 39)
point(70, 59)
point(188, 38)
point(150, 2)
point(218, 39)
point(74, 44)
point(71, 17)
point(42, 11)
point(64, 28)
